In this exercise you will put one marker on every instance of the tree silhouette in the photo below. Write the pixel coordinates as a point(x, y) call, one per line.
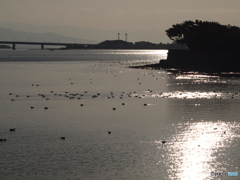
point(204, 35)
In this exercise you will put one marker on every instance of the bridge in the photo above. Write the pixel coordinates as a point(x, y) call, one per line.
point(42, 44)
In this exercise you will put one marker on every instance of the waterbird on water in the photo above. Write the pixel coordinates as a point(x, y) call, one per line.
point(12, 129)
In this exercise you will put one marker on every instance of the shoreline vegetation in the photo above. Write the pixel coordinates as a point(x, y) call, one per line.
point(211, 48)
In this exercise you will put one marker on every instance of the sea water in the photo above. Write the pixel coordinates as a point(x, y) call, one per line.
point(117, 122)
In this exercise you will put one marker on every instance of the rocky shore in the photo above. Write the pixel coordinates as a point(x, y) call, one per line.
point(187, 60)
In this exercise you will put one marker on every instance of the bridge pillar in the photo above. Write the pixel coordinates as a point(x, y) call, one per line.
point(14, 46)
point(42, 46)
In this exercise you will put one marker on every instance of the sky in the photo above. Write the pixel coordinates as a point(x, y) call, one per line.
point(128, 15)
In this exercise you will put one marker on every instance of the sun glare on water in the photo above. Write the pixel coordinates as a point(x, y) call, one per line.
point(192, 153)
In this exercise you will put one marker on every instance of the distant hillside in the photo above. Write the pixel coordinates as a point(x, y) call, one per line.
point(11, 35)
point(92, 34)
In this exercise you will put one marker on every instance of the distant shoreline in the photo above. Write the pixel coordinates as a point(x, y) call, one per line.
point(5, 47)
point(120, 44)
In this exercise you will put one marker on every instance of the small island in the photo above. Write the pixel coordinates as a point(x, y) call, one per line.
point(211, 47)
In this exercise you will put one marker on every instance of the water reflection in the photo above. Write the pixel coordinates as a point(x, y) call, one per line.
point(188, 95)
point(199, 148)
point(192, 95)
point(195, 76)
point(200, 78)
point(149, 52)
point(192, 86)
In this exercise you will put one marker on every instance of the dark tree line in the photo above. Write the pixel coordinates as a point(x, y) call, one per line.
point(120, 44)
point(204, 35)
point(138, 45)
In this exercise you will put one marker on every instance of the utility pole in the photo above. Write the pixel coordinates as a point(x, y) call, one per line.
point(126, 36)
point(118, 36)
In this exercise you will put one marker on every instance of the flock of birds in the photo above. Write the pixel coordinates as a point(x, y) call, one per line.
point(62, 138)
point(86, 94)
point(78, 96)
point(14, 129)
point(11, 130)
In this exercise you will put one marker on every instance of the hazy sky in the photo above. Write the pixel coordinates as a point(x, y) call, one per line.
point(121, 14)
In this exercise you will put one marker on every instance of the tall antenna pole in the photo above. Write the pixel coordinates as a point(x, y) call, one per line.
point(126, 36)
point(118, 36)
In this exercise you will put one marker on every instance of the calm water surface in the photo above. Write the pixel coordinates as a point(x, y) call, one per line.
point(89, 93)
